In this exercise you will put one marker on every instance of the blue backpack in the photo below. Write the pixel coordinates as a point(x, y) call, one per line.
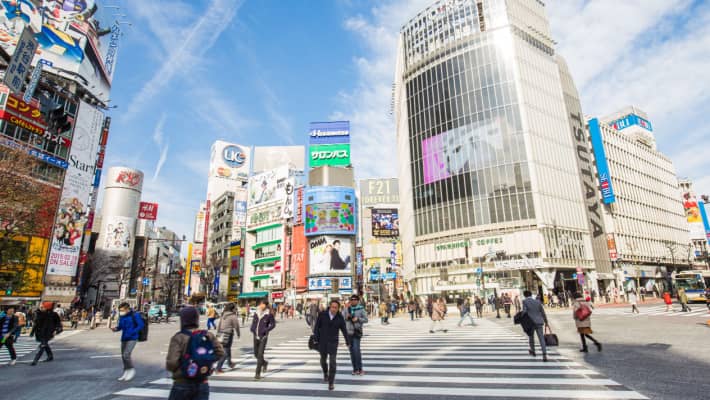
point(199, 357)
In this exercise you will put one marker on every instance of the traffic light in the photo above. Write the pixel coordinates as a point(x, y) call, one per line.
point(8, 291)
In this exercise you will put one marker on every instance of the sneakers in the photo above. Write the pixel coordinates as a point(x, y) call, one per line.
point(123, 376)
point(130, 374)
point(12, 362)
point(331, 386)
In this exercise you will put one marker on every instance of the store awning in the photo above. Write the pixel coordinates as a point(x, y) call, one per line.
point(253, 295)
point(259, 277)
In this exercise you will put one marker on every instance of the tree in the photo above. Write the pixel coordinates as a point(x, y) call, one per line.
point(105, 267)
point(214, 267)
point(27, 209)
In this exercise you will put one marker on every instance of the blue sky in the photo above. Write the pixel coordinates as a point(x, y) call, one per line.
point(257, 71)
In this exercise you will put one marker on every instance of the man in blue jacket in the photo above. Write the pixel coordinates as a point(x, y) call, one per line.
point(130, 324)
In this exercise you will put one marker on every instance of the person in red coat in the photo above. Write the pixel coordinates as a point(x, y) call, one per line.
point(668, 300)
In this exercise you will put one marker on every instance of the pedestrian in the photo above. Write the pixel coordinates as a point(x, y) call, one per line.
point(45, 326)
point(642, 293)
point(263, 323)
point(384, 320)
point(228, 326)
point(326, 332)
point(191, 354)
point(536, 312)
point(211, 317)
point(584, 327)
point(633, 300)
point(74, 317)
point(130, 326)
point(8, 326)
point(313, 311)
point(299, 310)
point(668, 300)
point(85, 316)
point(411, 308)
point(419, 308)
point(438, 314)
point(507, 303)
point(683, 299)
point(479, 306)
point(465, 311)
point(429, 307)
point(355, 317)
point(21, 322)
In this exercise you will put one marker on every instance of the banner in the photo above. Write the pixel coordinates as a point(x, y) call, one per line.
point(78, 180)
point(299, 257)
point(330, 254)
point(693, 216)
point(148, 211)
point(385, 222)
point(119, 233)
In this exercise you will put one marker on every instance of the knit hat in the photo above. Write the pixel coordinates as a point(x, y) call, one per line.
point(48, 305)
point(189, 318)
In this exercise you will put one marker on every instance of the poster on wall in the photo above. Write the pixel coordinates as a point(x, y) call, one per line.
point(119, 233)
point(78, 180)
point(693, 216)
point(330, 254)
point(385, 222)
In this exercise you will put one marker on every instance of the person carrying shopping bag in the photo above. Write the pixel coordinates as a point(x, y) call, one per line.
point(582, 315)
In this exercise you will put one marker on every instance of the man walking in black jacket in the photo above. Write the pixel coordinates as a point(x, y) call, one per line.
point(46, 325)
point(326, 331)
point(263, 323)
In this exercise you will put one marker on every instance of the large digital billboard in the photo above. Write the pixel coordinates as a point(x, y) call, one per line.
point(595, 134)
point(385, 222)
point(330, 254)
point(329, 210)
point(334, 155)
point(269, 186)
point(329, 132)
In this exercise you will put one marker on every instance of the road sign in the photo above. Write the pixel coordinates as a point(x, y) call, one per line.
point(146, 281)
point(19, 66)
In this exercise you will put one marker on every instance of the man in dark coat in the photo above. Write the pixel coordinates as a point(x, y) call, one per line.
point(328, 324)
point(45, 326)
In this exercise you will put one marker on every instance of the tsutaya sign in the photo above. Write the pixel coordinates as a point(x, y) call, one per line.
point(584, 161)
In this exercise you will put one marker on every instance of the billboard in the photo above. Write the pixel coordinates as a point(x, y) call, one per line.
point(630, 120)
point(329, 132)
point(298, 208)
point(704, 215)
point(199, 233)
point(229, 166)
point(330, 210)
point(379, 191)
point(272, 157)
point(334, 155)
point(234, 272)
point(148, 211)
point(67, 36)
point(239, 213)
point(595, 134)
point(264, 215)
point(317, 284)
point(78, 180)
point(330, 254)
point(269, 186)
point(299, 257)
point(119, 233)
point(693, 216)
point(611, 246)
point(385, 222)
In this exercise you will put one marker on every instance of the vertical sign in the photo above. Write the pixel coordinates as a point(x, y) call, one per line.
point(34, 80)
point(18, 68)
point(595, 133)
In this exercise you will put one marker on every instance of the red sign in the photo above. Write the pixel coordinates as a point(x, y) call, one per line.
point(148, 211)
point(129, 178)
point(299, 258)
point(277, 295)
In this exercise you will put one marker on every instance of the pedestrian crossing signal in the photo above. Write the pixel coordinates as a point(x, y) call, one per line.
point(8, 292)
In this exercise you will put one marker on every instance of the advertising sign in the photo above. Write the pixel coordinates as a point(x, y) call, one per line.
point(239, 214)
point(298, 217)
point(334, 155)
point(264, 216)
point(704, 215)
point(595, 134)
point(693, 216)
point(630, 120)
point(148, 211)
point(269, 186)
point(119, 233)
point(72, 212)
point(229, 167)
point(385, 222)
point(317, 284)
point(199, 233)
point(234, 272)
point(329, 132)
point(379, 191)
point(19, 66)
point(299, 257)
point(289, 200)
point(330, 210)
point(329, 254)
point(611, 246)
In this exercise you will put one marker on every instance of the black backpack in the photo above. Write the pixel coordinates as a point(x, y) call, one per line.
point(143, 333)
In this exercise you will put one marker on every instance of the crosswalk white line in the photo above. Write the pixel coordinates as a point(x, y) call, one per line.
point(657, 311)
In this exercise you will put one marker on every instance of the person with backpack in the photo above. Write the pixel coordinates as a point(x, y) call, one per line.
point(263, 323)
point(8, 325)
point(355, 317)
point(228, 325)
point(584, 323)
point(326, 332)
point(191, 354)
point(45, 326)
point(130, 324)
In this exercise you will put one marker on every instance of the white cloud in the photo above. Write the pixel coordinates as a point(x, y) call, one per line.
point(184, 56)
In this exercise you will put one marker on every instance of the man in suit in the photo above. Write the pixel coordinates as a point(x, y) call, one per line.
point(536, 312)
point(328, 325)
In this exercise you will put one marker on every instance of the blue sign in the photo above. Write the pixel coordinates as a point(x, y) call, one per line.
point(146, 281)
point(234, 156)
point(630, 120)
point(133, 290)
point(704, 215)
point(358, 258)
point(97, 177)
point(390, 275)
point(595, 134)
point(337, 132)
point(314, 284)
point(574, 276)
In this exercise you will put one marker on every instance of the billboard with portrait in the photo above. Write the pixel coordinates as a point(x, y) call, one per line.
point(328, 254)
point(73, 205)
point(385, 222)
point(329, 132)
point(119, 233)
point(269, 186)
point(330, 210)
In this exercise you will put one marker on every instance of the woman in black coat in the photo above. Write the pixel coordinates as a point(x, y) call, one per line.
point(326, 332)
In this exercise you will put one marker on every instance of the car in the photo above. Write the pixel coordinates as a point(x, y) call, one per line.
point(157, 311)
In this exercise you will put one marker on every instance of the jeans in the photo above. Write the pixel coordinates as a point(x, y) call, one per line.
point(210, 322)
point(540, 330)
point(479, 311)
point(126, 350)
point(44, 346)
point(329, 368)
point(463, 317)
point(9, 343)
point(259, 347)
point(189, 391)
point(227, 344)
point(355, 353)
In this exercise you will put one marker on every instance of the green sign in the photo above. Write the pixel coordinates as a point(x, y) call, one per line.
point(453, 245)
point(329, 154)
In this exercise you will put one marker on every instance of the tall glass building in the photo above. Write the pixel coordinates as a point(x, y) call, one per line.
point(491, 196)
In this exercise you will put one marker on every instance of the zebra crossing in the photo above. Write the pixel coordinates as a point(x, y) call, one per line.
point(26, 345)
point(697, 311)
point(404, 361)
